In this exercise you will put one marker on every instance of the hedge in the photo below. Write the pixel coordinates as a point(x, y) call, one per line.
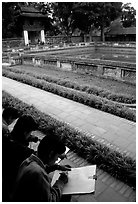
point(116, 164)
point(122, 98)
point(78, 96)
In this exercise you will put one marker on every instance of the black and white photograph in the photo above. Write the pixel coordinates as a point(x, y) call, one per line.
point(68, 101)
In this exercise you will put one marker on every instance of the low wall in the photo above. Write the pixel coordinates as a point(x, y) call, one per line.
point(119, 50)
point(12, 42)
point(107, 70)
point(62, 39)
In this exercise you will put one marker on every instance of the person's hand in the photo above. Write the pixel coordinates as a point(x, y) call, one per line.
point(64, 177)
point(63, 156)
point(64, 168)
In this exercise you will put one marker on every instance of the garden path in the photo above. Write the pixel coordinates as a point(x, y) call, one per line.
point(103, 127)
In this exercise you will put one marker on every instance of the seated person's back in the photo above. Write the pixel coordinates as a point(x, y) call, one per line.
point(13, 154)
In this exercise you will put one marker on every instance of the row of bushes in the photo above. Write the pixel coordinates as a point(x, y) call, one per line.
point(78, 96)
point(122, 98)
point(118, 165)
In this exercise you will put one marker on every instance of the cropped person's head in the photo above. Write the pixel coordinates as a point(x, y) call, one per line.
point(10, 114)
point(50, 148)
point(23, 128)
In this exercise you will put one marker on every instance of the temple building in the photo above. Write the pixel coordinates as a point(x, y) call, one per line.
point(33, 24)
point(116, 32)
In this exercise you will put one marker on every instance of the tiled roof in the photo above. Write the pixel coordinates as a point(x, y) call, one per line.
point(33, 15)
point(130, 30)
point(29, 9)
point(116, 28)
point(122, 31)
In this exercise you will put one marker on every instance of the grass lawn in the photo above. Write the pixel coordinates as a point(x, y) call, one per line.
point(83, 79)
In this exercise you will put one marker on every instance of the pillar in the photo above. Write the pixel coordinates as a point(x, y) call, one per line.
point(58, 63)
point(85, 38)
point(42, 36)
point(90, 37)
point(26, 37)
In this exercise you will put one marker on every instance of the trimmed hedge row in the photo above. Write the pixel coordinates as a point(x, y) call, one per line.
point(118, 165)
point(122, 98)
point(78, 96)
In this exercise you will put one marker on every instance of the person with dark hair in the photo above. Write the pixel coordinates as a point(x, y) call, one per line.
point(33, 183)
point(15, 150)
point(21, 132)
point(8, 116)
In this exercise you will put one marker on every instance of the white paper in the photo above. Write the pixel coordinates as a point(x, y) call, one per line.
point(80, 180)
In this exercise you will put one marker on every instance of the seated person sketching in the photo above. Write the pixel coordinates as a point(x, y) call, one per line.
point(15, 150)
point(33, 183)
point(21, 132)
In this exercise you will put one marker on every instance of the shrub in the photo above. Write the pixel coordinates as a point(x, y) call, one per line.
point(122, 98)
point(81, 97)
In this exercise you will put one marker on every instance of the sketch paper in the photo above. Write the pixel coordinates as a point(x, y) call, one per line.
point(80, 180)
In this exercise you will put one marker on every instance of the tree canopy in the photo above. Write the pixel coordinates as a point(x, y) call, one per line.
point(9, 23)
point(128, 15)
point(84, 15)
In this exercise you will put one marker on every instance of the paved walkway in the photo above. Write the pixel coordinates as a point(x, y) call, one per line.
point(108, 189)
point(108, 129)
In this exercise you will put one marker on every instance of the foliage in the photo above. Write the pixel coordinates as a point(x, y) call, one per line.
point(118, 165)
point(9, 21)
point(102, 13)
point(63, 17)
point(81, 97)
point(122, 98)
point(128, 15)
point(84, 15)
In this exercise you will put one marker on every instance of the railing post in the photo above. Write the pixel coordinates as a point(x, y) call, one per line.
point(58, 64)
point(100, 69)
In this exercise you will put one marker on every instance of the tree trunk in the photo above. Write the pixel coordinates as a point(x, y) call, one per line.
point(102, 34)
point(69, 38)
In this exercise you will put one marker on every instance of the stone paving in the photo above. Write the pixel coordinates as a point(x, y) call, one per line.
point(108, 129)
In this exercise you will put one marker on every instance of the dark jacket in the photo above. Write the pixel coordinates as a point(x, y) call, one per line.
point(13, 154)
point(5, 129)
point(33, 183)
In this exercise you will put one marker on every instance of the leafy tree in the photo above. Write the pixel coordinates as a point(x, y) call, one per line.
point(84, 15)
point(103, 13)
point(69, 16)
point(62, 15)
point(9, 23)
point(128, 15)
